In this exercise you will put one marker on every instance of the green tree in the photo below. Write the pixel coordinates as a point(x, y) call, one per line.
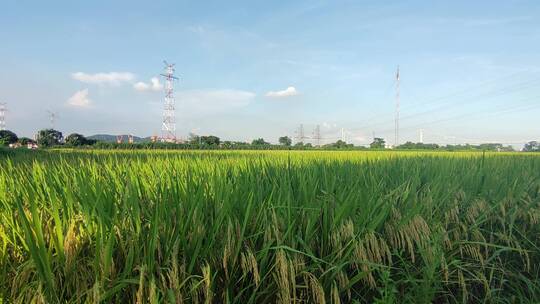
point(76, 140)
point(49, 137)
point(340, 144)
point(194, 139)
point(532, 146)
point(378, 143)
point(259, 142)
point(210, 140)
point(7, 137)
point(417, 146)
point(285, 141)
point(491, 147)
point(25, 141)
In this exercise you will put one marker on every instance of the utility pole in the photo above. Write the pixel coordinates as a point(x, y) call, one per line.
point(168, 128)
point(3, 110)
point(317, 135)
point(396, 139)
point(300, 134)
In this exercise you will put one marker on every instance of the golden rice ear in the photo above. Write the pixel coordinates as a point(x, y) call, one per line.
point(207, 287)
point(282, 278)
point(317, 291)
point(96, 293)
point(152, 295)
point(343, 283)
point(444, 268)
point(335, 294)
point(249, 266)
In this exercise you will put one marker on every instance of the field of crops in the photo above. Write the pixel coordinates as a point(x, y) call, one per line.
point(269, 227)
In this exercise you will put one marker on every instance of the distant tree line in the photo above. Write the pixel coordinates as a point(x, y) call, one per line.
point(54, 138)
point(465, 147)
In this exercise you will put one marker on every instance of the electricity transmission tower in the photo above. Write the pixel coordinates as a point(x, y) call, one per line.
point(168, 129)
point(317, 135)
point(300, 134)
point(53, 116)
point(3, 110)
point(396, 139)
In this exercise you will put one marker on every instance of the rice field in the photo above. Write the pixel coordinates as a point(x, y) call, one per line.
point(269, 227)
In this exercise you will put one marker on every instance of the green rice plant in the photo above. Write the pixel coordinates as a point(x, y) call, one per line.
point(269, 227)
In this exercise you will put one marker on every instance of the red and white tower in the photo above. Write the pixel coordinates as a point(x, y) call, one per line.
point(168, 128)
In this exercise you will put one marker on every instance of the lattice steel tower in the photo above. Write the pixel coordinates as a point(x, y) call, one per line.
point(168, 128)
point(53, 116)
point(300, 134)
point(317, 135)
point(3, 110)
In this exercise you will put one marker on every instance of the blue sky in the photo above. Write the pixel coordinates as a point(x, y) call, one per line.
point(470, 70)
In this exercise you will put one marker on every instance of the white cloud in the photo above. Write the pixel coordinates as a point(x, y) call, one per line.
point(141, 86)
point(290, 91)
point(80, 99)
point(112, 78)
point(328, 125)
point(154, 85)
point(213, 101)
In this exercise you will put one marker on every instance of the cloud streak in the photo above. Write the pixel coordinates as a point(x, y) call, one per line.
point(288, 92)
point(154, 85)
point(111, 78)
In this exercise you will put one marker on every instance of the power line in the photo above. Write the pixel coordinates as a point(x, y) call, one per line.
point(465, 90)
point(369, 121)
point(459, 117)
point(475, 99)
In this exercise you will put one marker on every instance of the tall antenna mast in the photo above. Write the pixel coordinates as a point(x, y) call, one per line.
point(3, 110)
point(52, 118)
point(396, 139)
point(168, 128)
